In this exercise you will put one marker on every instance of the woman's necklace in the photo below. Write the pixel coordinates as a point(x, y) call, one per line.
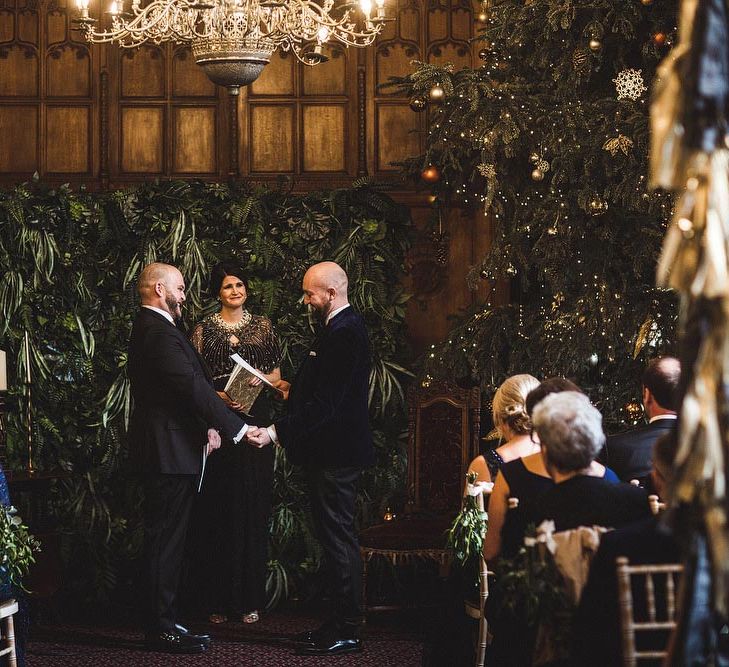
point(230, 327)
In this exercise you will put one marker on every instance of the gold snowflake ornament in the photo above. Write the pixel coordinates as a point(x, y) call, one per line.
point(487, 169)
point(629, 84)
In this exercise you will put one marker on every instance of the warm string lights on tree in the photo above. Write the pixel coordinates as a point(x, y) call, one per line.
point(540, 134)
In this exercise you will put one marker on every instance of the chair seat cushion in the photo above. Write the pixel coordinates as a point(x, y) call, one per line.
point(408, 533)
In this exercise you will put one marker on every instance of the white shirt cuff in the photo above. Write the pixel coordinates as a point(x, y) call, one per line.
point(272, 434)
point(241, 433)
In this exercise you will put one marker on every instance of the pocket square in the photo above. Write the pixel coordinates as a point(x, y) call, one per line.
point(312, 353)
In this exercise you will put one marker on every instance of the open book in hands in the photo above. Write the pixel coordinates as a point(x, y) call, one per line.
point(239, 388)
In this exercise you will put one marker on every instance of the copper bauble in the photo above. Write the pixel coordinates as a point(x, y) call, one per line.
point(659, 38)
point(430, 174)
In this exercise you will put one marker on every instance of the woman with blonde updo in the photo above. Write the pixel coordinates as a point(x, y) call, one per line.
point(513, 424)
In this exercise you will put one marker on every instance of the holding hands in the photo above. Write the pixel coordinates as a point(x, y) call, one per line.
point(258, 437)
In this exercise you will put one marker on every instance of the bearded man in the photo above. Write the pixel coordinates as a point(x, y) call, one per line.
point(178, 417)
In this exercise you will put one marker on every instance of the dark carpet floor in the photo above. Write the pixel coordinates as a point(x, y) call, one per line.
point(389, 640)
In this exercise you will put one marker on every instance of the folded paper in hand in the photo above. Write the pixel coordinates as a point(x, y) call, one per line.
point(239, 388)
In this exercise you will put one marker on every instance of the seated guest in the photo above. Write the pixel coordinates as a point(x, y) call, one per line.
point(526, 479)
point(596, 632)
point(629, 453)
point(512, 422)
point(570, 431)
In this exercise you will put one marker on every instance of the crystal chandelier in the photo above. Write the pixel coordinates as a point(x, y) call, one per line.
point(233, 40)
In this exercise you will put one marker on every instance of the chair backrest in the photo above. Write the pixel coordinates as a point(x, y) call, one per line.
point(443, 428)
point(660, 584)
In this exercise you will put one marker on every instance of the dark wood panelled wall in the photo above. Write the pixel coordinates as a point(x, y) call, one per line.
point(108, 117)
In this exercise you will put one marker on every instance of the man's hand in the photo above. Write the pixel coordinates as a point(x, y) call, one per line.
point(214, 441)
point(258, 437)
point(283, 386)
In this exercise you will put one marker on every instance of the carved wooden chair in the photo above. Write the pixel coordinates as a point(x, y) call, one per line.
point(666, 577)
point(443, 427)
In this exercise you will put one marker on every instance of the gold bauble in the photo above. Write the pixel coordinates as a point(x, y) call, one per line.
point(417, 104)
point(436, 93)
point(595, 44)
point(598, 206)
point(537, 175)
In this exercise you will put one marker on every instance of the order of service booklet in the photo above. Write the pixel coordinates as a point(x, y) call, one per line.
point(238, 386)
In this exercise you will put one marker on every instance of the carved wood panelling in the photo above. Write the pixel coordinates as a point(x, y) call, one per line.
point(20, 146)
point(143, 72)
point(318, 134)
point(69, 153)
point(142, 132)
point(315, 124)
point(46, 92)
point(194, 139)
point(324, 137)
point(271, 139)
point(165, 115)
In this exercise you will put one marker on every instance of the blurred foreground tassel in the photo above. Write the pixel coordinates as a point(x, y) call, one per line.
point(689, 156)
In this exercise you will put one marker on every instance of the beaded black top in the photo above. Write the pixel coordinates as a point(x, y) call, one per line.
point(252, 338)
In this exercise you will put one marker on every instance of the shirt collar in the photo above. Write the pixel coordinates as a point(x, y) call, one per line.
point(657, 417)
point(164, 313)
point(335, 312)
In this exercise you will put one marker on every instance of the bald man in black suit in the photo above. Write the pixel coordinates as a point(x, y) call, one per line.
point(177, 415)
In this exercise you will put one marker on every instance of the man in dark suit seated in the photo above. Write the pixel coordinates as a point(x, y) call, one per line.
point(596, 631)
point(326, 430)
point(177, 415)
point(629, 453)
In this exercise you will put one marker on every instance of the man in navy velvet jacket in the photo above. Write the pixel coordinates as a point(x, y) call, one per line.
point(326, 430)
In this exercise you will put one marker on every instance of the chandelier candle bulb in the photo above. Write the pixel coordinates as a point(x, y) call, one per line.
point(3, 371)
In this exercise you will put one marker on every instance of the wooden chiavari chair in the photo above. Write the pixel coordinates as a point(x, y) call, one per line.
point(654, 621)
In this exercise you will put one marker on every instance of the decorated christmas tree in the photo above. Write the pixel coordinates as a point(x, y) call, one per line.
point(550, 136)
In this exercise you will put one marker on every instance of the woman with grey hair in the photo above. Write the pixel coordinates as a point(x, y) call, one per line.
point(570, 431)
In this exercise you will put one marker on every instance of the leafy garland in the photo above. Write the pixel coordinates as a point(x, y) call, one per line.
point(466, 534)
point(531, 589)
point(70, 260)
point(17, 547)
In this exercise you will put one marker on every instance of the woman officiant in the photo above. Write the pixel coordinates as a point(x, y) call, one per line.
point(234, 505)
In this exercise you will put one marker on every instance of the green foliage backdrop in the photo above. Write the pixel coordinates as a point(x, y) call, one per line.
point(539, 135)
point(69, 263)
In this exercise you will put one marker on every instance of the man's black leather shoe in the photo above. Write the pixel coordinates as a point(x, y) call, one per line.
point(333, 647)
point(308, 637)
point(172, 642)
point(202, 638)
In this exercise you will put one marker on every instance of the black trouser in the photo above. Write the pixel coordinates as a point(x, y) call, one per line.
point(167, 503)
point(333, 492)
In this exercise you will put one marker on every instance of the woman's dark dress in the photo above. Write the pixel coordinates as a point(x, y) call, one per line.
point(230, 531)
